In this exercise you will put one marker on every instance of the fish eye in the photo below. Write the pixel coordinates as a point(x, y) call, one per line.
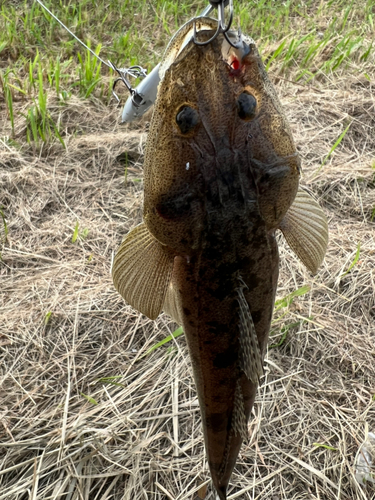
point(246, 106)
point(187, 118)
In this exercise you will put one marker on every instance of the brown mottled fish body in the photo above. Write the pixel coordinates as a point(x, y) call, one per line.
point(227, 236)
point(221, 173)
point(211, 320)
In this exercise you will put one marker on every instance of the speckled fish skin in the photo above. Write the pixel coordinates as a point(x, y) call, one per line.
point(214, 197)
point(211, 322)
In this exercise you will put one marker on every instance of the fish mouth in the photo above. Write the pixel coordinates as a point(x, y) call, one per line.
point(239, 47)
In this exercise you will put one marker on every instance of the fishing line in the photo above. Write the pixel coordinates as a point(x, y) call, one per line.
point(73, 35)
point(133, 71)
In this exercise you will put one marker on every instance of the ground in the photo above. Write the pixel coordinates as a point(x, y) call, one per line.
point(86, 411)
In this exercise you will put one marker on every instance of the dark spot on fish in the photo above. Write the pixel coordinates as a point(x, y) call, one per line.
point(173, 208)
point(277, 173)
point(257, 316)
point(214, 325)
point(227, 178)
point(219, 292)
point(245, 242)
point(187, 118)
point(246, 106)
point(217, 421)
point(226, 358)
point(253, 281)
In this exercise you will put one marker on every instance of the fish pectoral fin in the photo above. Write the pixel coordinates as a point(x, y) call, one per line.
point(306, 231)
point(142, 270)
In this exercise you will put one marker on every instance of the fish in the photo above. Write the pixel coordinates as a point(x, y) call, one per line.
point(221, 177)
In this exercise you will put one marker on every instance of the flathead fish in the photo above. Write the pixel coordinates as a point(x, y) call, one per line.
point(221, 175)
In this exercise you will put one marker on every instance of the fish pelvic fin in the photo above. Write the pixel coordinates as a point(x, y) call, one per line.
point(305, 229)
point(250, 355)
point(171, 305)
point(142, 270)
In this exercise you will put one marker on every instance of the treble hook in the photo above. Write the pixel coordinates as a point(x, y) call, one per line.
point(135, 72)
point(221, 27)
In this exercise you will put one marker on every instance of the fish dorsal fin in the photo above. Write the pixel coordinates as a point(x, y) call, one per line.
point(142, 271)
point(239, 420)
point(306, 231)
point(251, 358)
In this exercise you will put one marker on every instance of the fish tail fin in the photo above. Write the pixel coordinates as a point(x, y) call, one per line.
point(222, 492)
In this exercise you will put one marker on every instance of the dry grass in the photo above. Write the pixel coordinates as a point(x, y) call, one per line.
point(68, 431)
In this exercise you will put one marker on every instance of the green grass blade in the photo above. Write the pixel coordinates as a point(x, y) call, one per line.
point(321, 445)
point(174, 335)
point(58, 135)
point(110, 380)
point(32, 121)
point(356, 258)
point(47, 317)
point(75, 232)
point(286, 301)
point(284, 331)
point(275, 54)
point(89, 399)
point(91, 87)
point(342, 135)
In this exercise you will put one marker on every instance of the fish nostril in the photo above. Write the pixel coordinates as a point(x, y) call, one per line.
point(187, 118)
point(246, 106)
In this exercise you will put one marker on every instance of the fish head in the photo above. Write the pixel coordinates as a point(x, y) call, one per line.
point(217, 127)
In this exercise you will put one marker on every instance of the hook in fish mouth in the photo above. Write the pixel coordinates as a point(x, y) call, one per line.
point(221, 26)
